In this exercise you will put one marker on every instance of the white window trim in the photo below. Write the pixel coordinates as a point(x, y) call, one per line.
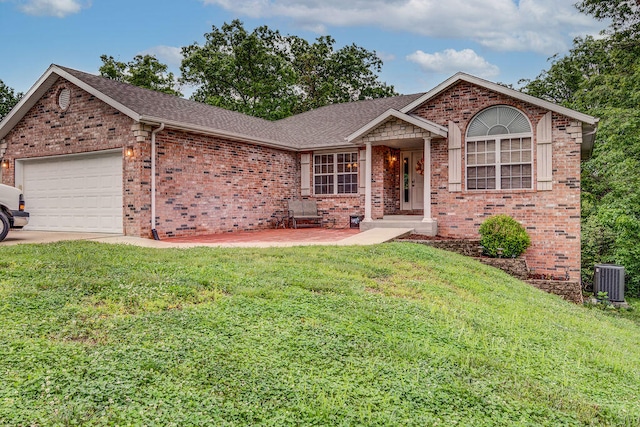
point(498, 163)
point(335, 172)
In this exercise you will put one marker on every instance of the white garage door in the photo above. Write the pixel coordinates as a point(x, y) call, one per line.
point(74, 193)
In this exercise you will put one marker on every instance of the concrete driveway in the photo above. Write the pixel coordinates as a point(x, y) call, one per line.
point(16, 237)
point(254, 239)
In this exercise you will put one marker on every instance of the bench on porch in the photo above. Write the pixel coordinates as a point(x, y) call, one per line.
point(305, 211)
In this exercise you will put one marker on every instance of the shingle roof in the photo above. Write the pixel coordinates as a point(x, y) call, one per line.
point(330, 125)
point(149, 103)
point(324, 127)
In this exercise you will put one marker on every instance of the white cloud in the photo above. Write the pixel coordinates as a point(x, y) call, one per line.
point(57, 8)
point(170, 55)
point(450, 61)
point(543, 26)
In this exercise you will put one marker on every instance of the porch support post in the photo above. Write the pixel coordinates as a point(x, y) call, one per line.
point(427, 180)
point(367, 185)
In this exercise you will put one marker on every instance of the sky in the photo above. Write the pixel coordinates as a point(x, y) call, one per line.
point(422, 42)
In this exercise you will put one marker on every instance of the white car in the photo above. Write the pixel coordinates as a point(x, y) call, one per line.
point(12, 214)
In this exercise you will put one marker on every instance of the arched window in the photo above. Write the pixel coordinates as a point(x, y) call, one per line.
point(499, 150)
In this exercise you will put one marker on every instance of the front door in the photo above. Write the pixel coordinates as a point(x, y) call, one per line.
point(412, 185)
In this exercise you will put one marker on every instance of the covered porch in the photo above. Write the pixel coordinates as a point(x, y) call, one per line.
point(397, 172)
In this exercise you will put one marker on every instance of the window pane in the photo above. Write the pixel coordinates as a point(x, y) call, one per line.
point(481, 178)
point(516, 176)
point(336, 173)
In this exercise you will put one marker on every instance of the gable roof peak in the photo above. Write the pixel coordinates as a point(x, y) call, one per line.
point(495, 87)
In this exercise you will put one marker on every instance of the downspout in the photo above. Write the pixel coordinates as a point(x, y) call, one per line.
point(153, 181)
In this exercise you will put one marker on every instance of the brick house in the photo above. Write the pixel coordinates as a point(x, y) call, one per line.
point(93, 154)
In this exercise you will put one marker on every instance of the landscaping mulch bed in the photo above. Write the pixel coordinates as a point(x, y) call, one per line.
point(424, 237)
point(516, 267)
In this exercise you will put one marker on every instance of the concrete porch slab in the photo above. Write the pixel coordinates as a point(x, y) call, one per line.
point(403, 221)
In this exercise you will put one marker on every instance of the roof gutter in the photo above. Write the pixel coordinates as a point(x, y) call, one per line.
point(154, 232)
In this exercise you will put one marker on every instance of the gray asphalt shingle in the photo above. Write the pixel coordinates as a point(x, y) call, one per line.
point(324, 127)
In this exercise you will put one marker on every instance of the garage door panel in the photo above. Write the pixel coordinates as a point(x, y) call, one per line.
point(75, 193)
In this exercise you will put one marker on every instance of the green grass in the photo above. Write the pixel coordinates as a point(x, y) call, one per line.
point(395, 334)
point(632, 312)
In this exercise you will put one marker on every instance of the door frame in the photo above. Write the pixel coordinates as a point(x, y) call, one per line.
point(407, 183)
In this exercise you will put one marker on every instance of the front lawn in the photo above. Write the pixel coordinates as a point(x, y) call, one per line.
point(395, 334)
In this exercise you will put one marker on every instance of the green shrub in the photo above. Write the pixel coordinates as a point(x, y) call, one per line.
point(503, 235)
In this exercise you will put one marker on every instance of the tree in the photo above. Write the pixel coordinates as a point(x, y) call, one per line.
point(242, 71)
point(143, 71)
point(266, 74)
point(8, 99)
point(624, 14)
point(602, 77)
point(326, 76)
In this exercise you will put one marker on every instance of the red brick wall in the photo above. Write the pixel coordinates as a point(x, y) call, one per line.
point(204, 184)
point(210, 185)
point(391, 181)
point(88, 124)
point(552, 218)
point(137, 191)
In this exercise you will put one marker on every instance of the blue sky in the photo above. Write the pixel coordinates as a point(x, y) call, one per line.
point(422, 42)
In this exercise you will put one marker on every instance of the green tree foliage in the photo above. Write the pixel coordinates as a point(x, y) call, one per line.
point(624, 14)
point(266, 74)
point(8, 99)
point(242, 71)
point(326, 76)
point(143, 71)
point(602, 77)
